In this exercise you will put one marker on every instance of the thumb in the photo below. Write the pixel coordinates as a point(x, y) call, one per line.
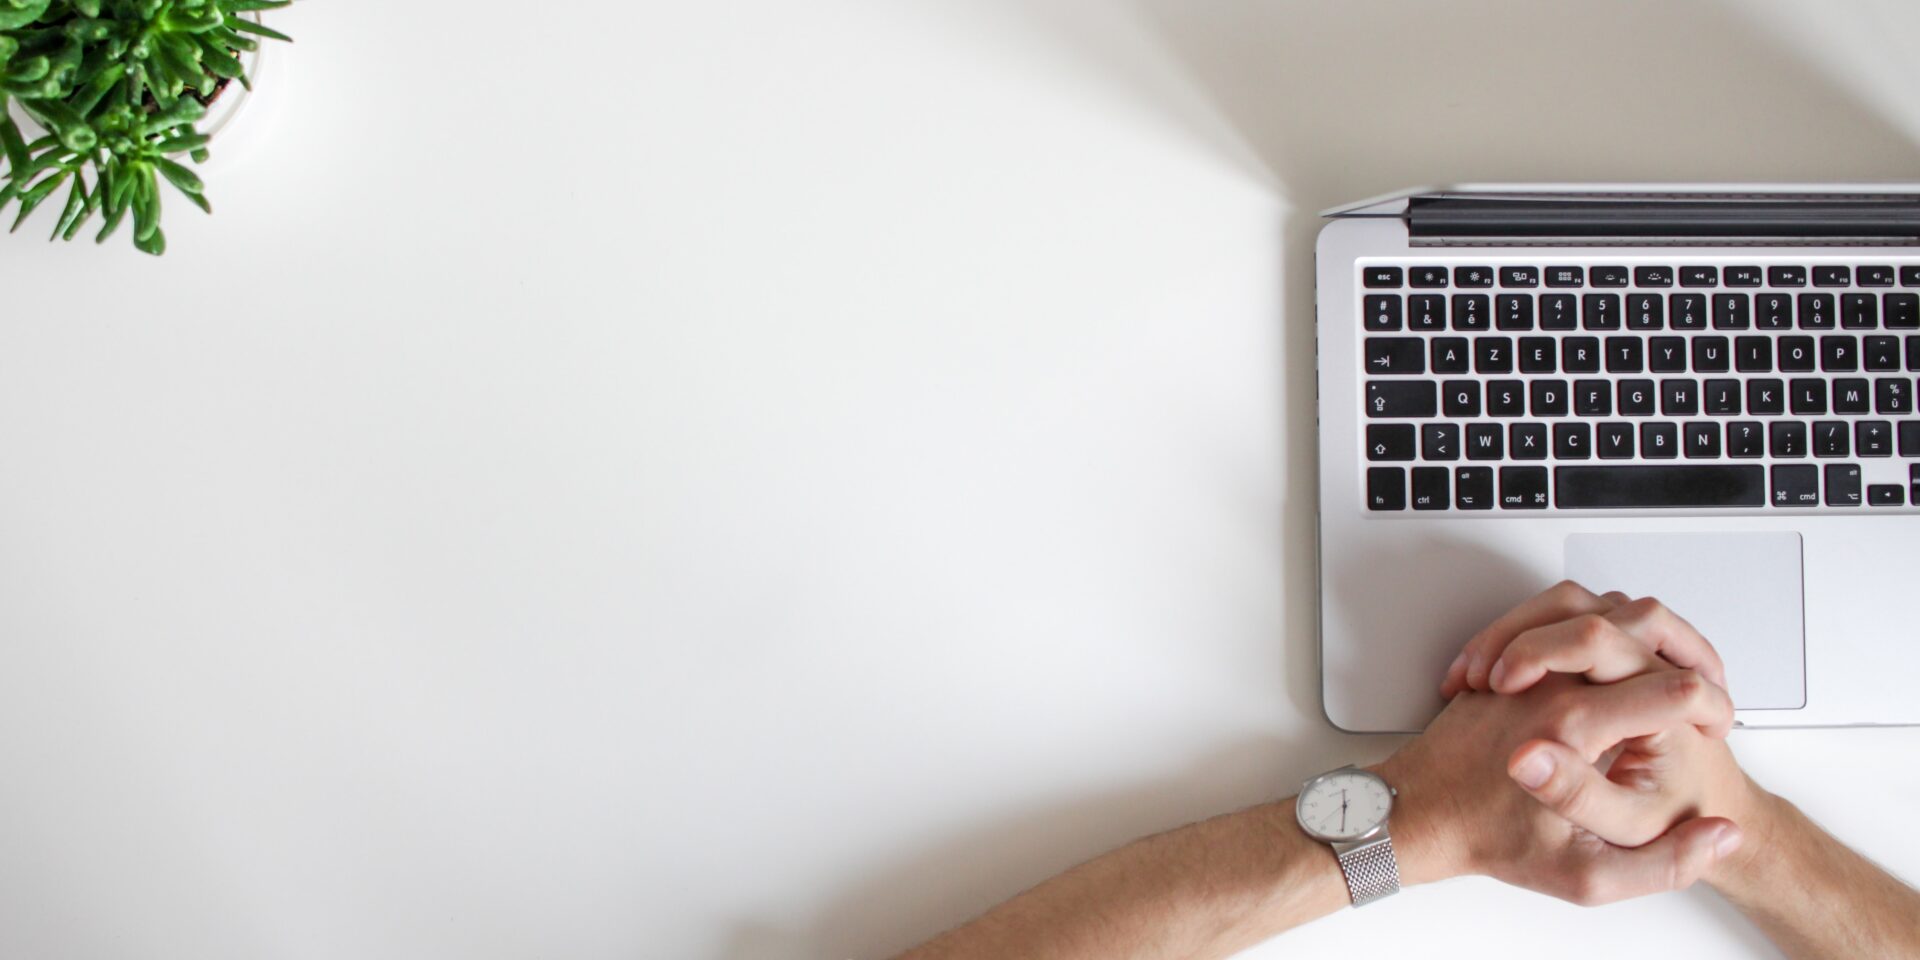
point(1673, 862)
point(1564, 782)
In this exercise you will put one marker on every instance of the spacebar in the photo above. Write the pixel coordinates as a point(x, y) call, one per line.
point(1686, 485)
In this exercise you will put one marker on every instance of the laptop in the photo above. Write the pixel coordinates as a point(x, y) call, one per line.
point(1703, 394)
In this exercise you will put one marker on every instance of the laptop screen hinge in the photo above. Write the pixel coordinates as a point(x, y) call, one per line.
point(1663, 219)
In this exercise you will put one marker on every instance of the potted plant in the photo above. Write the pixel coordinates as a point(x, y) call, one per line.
point(115, 91)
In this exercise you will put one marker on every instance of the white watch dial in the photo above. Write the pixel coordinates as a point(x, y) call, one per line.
point(1345, 805)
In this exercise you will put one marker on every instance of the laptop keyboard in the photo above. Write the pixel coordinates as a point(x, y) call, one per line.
point(1636, 386)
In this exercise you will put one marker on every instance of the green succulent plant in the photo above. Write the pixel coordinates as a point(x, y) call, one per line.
point(119, 85)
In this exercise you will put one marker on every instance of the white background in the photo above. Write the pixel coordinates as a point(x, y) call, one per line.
point(758, 479)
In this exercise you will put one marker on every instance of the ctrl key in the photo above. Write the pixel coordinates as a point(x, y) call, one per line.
point(1523, 488)
point(1796, 485)
point(1386, 488)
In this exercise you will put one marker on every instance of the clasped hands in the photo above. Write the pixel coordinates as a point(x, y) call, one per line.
point(1582, 755)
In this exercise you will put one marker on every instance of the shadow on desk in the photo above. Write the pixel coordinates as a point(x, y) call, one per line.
point(1333, 102)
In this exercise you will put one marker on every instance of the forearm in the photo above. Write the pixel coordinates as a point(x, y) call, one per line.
point(1206, 890)
point(1812, 895)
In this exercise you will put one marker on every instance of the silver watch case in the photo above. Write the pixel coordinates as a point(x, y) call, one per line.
point(1344, 844)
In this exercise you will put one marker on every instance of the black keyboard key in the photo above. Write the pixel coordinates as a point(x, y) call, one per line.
point(1903, 312)
point(1873, 276)
point(1913, 483)
point(1430, 488)
point(1402, 399)
point(1646, 311)
point(1703, 441)
point(1485, 441)
point(1519, 276)
point(1572, 441)
point(1881, 354)
point(1593, 398)
point(1873, 438)
point(1559, 311)
point(1859, 311)
point(1427, 312)
point(1440, 441)
point(1687, 311)
point(1461, 398)
point(1667, 354)
point(1722, 397)
point(1772, 311)
point(1580, 354)
point(1796, 485)
point(1653, 276)
point(1850, 395)
point(1679, 398)
point(1513, 311)
point(1732, 311)
point(1832, 276)
point(1807, 397)
point(1473, 276)
point(1712, 355)
point(1506, 398)
point(1910, 276)
point(1492, 355)
point(1381, 277)
point(1787, 439)
point(1741, 276)
point(1390, 441)
point(1910, 441)
point(1450, 355)
point(1753, 354)
point(1699, 276)
point(1745, 439)
point(1473, 488)
point(1614, 486)
point(1913, 354)
point(1472, 311)
point(1659, 440)
point(1388, 356)
point(1892, 396)
point(1636, 398)
point(1538, 355)
point(1547, 398)
point(1386, 488)
point(1886, 495)
point(1839, 353)
point(1796, 354)
point(1786, 276)
point(1523, 488)
point(1565, 276)
point(1600, 311)
point(1816, 311)
point(1766, 397)
point(1626, 355)
point(1843, 485)
point(1831, 439)
point(1427, 277)
point(1615, 441)
point(1381, 311)
point(1607, 276)
point(1527, 441)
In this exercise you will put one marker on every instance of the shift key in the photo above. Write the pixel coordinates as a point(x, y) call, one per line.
point(1402, 398)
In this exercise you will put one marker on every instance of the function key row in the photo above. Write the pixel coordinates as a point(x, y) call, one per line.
point(1387, 312)
point(1438, 277)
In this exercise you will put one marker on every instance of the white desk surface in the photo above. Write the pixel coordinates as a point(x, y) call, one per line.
point(752, 480)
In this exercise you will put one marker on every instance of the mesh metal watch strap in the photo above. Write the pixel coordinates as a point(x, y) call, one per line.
point(1371, 872)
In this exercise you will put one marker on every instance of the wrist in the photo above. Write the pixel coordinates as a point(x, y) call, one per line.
point(1425, 837)
point(1760, 816)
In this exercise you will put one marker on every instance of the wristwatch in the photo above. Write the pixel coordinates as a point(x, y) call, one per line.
point(1347, 809)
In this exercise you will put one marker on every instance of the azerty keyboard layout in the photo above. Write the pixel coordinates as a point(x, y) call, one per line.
point(1643, 387)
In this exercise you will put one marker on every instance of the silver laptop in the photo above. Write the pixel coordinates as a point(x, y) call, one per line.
point(1703, 394)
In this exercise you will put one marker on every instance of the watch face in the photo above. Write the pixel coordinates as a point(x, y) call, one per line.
point(1344, 805)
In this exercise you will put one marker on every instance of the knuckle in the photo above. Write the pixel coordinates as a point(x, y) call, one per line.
point(1592, 631)
point(1684, 687)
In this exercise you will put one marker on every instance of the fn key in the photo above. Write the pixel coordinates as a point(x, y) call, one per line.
point(1386, 488)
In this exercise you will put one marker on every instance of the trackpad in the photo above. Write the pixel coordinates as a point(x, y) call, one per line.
point(1741, 590)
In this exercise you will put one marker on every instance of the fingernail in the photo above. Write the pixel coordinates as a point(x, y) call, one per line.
point(1459, 660)
point(1534, 769)
point(1473, 667)
point(1499, 670)
point(1726, 842)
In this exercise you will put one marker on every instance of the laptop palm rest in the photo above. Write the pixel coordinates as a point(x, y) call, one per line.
point(1742, 591)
